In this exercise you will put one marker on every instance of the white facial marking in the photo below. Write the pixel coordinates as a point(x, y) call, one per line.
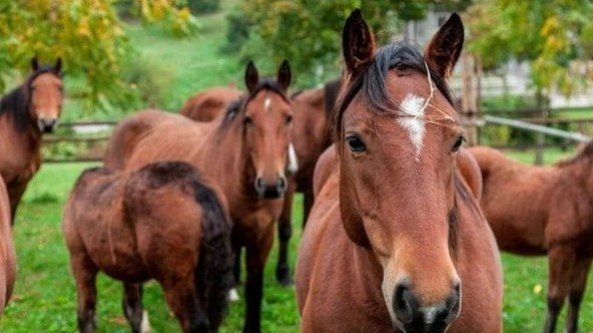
point(293, 164)
point(414, 106)
point(267, 103)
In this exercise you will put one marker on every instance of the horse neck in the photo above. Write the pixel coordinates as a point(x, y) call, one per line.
point(228, 148)
point(28, 139)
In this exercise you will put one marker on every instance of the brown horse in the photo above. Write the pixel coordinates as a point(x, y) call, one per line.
point(26, 112)
point(7, 255)
point(395, 237)
point(310, 137)
point(161, 222)
point(544, 210)
point(245, 153)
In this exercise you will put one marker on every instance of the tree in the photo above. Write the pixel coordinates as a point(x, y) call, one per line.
point(554, 37)
point(308, 32)
point(87, 34)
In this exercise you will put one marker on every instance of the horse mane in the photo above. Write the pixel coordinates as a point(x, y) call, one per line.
point(371, 80)
point(238, 106)
point(15, 104)
point(583, 153)
point(296, 94)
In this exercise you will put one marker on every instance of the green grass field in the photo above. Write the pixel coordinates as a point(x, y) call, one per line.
point(44, 299)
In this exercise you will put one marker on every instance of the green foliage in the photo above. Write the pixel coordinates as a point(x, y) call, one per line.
point(308, 33)
point(88, 35)
point(203, 6)
point(553, 36)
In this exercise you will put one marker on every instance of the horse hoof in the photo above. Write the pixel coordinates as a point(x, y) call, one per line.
point(233, 295)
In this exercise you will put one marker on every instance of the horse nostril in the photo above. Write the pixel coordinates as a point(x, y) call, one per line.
point(405, 304)
point(260, 184)
point(281, 184)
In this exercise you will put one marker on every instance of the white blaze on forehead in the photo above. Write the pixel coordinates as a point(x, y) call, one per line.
point(414, 123)
point(267, 103)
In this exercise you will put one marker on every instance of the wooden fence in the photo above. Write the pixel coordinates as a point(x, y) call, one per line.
point(90, 137)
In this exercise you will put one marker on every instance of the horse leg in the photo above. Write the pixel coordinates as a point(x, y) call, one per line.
point(132, 304)
point(284, 234)
point(15, 193)
point(183, 300)
point(561, 260)
point(577, 288)
point(85, 274)
point(257, 255)
point(308, 198)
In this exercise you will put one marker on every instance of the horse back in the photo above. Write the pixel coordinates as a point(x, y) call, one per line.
point(126, 136)
point(7, 252)
point(209, 104)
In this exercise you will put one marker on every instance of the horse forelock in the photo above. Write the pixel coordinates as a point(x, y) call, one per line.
point(239, 105)
point(371, 81)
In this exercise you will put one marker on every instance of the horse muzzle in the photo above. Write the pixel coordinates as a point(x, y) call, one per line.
point(424, 319)
point(267, 190)
point(47, 125)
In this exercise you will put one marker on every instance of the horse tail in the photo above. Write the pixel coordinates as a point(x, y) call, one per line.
point(214, 273)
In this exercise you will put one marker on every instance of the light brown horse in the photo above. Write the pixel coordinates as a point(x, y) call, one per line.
point(245, 153)
point(310, 137)
point(7, 254)
point(395, 239)
point(161, 222)
point(544, 210)
point(26, 112)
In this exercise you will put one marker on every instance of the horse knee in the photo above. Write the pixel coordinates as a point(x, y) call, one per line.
point(555, 304)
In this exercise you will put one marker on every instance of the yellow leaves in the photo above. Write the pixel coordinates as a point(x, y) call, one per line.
point(83, 28)
point(537, 288)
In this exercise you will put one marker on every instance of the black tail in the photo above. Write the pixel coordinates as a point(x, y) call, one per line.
point(214, 274)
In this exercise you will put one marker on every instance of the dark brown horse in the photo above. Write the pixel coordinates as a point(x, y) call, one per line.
point(395, 239)
point(544, 210)
point(7, 255)
point(310, 137)
point(26, 112)
point(245, 153)
point(161, 222)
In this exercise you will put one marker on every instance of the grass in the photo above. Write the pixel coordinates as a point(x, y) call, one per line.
point(44, 298)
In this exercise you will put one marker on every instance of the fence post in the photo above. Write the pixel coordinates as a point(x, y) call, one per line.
point(540, 138)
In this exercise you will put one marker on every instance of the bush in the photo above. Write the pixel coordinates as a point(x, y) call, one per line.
point(148, 82)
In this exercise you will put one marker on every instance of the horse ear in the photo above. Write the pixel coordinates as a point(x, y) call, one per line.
point(284, 75)
point(251, 77)
point(34, 64)
point(58, 66)
point(358, 43)
point(444, 49)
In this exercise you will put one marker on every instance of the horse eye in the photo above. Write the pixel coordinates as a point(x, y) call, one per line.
point(355, 144)
point(457, 144)
point(247, 121)
point(288, 119)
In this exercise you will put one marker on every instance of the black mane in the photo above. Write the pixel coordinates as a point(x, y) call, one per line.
point(15, 104)
point(238, 106)
point(371, 80)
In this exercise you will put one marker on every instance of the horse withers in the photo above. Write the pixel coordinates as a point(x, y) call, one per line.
point(535, 210)
point(161, 222)
point(27, 112)
point(396, 240)
point(7, 253)
point(244, 152)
